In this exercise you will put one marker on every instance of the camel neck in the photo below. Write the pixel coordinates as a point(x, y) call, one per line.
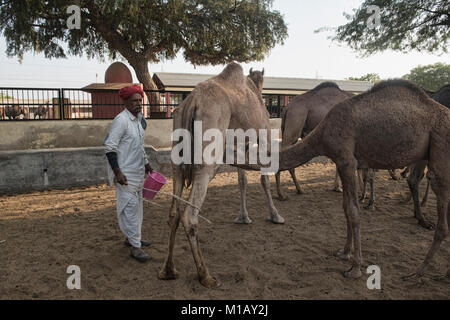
point(301, 152)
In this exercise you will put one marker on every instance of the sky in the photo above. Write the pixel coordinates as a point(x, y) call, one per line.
point(305, 54)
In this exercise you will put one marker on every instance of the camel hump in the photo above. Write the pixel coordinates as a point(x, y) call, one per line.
point(399, 83)
point(326, 84)
point(233, 73)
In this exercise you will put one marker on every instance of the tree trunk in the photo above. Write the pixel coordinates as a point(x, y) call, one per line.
point(141, 69)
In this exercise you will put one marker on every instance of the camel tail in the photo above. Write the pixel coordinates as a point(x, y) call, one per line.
point(183, 118)
point(302, 151)
point(188, 118)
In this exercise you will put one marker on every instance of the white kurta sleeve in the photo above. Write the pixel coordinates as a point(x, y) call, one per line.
point(116, 133)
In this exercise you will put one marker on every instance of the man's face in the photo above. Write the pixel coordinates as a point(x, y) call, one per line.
point(134, 103)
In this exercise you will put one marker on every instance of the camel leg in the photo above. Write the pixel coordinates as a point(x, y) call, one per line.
point(364, 174)
point(168, 271)
point(371, 178)
point(414, 178)
point(442, 194)
point(281, 197)
point(243, 214)
point(190, 222)
point(337, 187)
point(425, 197)
point(347, 173)
point(273, 213)
point(294, 178)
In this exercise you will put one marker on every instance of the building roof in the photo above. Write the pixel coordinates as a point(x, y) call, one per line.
point(277, 85)
point(106, 86)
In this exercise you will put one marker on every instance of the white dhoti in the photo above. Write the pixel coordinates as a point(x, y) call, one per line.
point(130, 212)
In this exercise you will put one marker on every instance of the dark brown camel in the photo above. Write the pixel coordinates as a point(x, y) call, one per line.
point(227, 101)
point(302, 115)
point(416, 170)
point(392, 125)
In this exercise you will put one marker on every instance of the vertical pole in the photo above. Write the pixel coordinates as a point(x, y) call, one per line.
point(61, 103)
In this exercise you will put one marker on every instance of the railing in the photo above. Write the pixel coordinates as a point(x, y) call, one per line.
point(87, 104)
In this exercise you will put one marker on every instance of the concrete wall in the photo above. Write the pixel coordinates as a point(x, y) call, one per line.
point(28, 170)
point(25, 135)
point(65, 154)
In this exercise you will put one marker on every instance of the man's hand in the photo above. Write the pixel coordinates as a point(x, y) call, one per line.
point(120, 176)
point(148, 169)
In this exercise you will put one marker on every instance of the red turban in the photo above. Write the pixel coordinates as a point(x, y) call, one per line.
point(126, 92)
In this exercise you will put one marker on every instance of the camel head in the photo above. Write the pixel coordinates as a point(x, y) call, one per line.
point(257, 77)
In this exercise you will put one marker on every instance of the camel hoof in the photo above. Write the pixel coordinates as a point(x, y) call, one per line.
point(343, 255)
point(283, 198)
point(277, 219)
point(337, 189)
point(210, 282)
point(168, 274)
point(300, 191)
point(242, 220)
point(353, 273)
point(426, 225)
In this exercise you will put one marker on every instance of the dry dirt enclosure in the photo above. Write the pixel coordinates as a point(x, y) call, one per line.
point(42, 233)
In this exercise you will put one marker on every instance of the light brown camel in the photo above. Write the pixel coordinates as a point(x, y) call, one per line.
point(302, 115)
point(392, 125)
point(229, 100)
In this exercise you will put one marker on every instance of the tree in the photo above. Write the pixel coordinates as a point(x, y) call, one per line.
point(372, 77)
point(404, 25)
point(143, 31)
point(430, 77)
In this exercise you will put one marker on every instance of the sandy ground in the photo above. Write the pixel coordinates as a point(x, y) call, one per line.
point(42, 233)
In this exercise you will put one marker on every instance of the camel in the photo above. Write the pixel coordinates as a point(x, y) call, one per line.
point(390, 126)
point(415, 170)
point(229, 100)
point(302, 115)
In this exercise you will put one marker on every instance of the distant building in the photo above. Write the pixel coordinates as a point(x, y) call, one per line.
point(277, 91)
point(106, 102)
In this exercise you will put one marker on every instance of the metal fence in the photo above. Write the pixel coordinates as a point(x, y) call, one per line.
point(66, 104)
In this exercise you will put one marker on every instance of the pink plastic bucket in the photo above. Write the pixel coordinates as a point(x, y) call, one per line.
point(154, 181)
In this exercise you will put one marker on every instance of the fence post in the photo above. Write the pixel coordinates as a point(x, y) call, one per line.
point(61, 103)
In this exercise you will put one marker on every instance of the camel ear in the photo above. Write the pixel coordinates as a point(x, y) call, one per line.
point(251, 70)
point(263, 72)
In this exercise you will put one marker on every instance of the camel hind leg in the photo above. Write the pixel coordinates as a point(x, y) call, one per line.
point(439, 176)
point(189, 218)
point(294, 178)
point(168, 271)
point(442, 227)
point(414, 178)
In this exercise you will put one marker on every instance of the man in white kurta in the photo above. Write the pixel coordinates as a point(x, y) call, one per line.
point(126, 155)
